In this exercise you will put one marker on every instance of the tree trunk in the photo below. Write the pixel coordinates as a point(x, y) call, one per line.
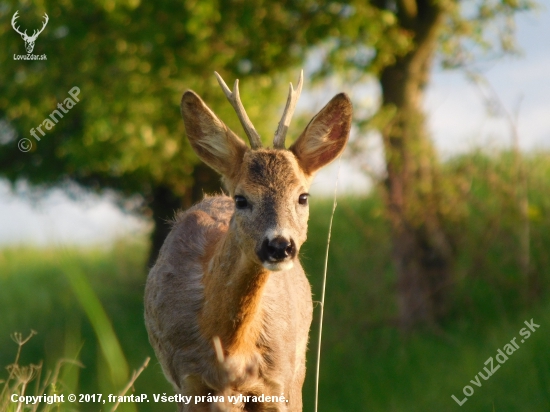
point(165, 202)
point(163, 205)
point(422, 252)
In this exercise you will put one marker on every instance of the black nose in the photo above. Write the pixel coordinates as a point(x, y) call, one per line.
point(277, 249)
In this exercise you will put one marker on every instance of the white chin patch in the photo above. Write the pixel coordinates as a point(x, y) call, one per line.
point(277, 266)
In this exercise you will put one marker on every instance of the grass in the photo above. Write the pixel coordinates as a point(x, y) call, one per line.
point(29, 387)
point(86, 305)
point(32, 380)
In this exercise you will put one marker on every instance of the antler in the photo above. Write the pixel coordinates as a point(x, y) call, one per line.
point(235, 101)
point(293, 96)
point(35, 35)
point(15, 16)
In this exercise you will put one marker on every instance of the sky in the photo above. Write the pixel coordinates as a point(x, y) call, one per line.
point(458, 120)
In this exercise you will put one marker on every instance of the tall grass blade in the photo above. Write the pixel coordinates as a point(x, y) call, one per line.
point(108, 341)
point(318, 366)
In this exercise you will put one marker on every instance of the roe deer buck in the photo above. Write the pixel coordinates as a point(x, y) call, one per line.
point(227, 304)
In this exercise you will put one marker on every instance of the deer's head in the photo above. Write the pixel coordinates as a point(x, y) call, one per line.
point(29, 40)
point(269, 186)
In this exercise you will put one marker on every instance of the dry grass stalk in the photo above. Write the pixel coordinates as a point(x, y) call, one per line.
point(135, 375)
point(322, 303)
point(20, 378)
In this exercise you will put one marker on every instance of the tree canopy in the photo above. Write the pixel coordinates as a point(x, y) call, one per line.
point(132, 60)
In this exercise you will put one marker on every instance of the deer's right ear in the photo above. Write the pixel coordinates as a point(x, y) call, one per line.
point(214, 143)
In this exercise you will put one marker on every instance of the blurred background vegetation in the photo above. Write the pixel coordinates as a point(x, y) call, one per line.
point(429, 274)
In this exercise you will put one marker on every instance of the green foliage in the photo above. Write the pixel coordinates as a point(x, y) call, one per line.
point(31, 380)
point(483, 28)
point(373, 35)
point(132, 60)
point(106, 337)
point(365, 360)
point(490, 249)
point(86, 306)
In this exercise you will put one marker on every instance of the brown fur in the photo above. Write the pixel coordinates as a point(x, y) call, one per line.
point(209, 281)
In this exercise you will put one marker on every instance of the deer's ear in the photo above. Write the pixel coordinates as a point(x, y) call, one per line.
point(214, 143)
point(325, 136)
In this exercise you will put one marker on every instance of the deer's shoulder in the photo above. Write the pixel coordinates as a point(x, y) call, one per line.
point(215, 210)
point(200, 226)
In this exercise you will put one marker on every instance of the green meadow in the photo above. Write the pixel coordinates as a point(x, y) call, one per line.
point(86, 306)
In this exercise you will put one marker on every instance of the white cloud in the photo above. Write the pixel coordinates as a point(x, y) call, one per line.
point(57, 219)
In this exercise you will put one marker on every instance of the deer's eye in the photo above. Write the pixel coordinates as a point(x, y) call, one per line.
point(241, 202)
point(302, 199)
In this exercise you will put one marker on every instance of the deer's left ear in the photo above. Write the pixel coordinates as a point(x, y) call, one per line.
point(325, 136)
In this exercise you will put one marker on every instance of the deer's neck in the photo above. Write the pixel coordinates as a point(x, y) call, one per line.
point(233, 287)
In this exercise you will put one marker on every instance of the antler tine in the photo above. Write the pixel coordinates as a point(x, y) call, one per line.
point(37, 32)
point(13, 22)
point(293, 96)
point(235, 100)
